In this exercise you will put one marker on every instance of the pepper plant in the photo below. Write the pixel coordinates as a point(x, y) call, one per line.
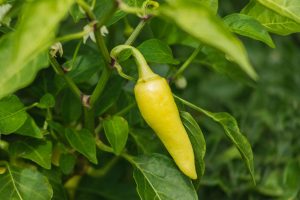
point(70, 127)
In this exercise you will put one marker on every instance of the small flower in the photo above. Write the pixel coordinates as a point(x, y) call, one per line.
point(104, 31)
point(56, 48)
point(90, 32)
point(89, 29)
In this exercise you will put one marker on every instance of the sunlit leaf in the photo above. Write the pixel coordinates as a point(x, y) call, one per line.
point(199, 22)
point(249, 27)
point(22, 52)
point(273, 21)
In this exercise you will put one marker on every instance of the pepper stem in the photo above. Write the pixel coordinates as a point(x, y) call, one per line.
point(144, 70)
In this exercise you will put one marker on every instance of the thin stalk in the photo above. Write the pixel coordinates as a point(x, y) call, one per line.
point(135, 32)
point(103, 146)
point(76, 52)
point(108, 149)
point(104, 170)
point(86, 9)
point(193, 106)
point(187, 62)
point(102, 46)
point(100, 86)
point(126, 109)
point(72, 36)
point(89, 122)
point(57, 68)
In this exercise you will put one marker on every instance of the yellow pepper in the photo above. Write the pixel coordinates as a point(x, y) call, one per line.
point(157, 106)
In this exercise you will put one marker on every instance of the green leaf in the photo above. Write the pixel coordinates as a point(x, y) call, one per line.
point(199, 22)
point(22, 53)
point(146, 140)
point(24, 184)
point(289, 9)
point(83, 142)
point(156, 51)
point(71, 107)
point(157, 177)
point(37, 151)
point(55, 178)
point(270, 186)
point(291, 177)
point(108, 99)
point(116, 130)
point(232, 131)
point(67, 163)
point(29, 128)
point(12, 114)
point(212, 4)
point(84, 66)
point(198, 143)
point(248, 26)
point(47, 101)
point(103, 7)
point(273, 21)
point(217, 61)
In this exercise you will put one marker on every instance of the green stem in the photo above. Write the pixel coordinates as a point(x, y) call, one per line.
point(126, 109)
point(89, 122)
point(103, 146)
point(193, 106)
point(105, 53)
point(108, 149)
point(86, 9)
point(144, 70)
point(102, 46)
point(72, 36)
point(187, 62)
point(100, 86)
point(57, 68)
point(104, 170)
point(135, 32)
point(76, 52)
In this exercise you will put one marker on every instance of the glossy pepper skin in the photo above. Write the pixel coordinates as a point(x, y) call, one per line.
point(157, 106)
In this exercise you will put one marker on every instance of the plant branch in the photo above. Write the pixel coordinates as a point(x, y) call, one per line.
point(57, 68)
point(104, 170)
point(136, 32)
point(103, 146)
point(187, 63)
point(89, 13)
point(126, 109)
point(72, 36)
